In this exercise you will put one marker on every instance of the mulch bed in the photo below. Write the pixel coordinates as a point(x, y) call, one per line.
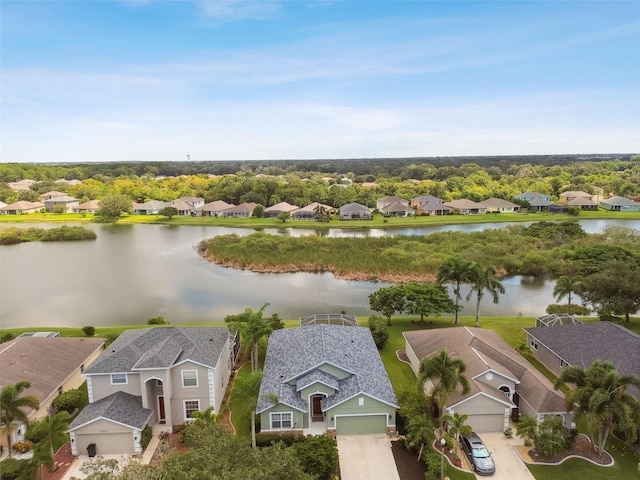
point(581, 447)
point(63, 459)
point(407, 463)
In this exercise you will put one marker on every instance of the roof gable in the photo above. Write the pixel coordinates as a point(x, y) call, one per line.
point(145, 348)
point(119, 407)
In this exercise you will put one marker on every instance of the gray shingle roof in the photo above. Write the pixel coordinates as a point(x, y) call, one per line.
point(120, 407)
point(294, 355)
point(161, 347)
point(317, 376)
point(581, 344)
point(354, 207)
point(617, 200)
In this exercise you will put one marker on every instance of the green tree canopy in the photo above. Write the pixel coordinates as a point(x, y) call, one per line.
point(168, 212)
point(388, 301)
point(614, 289)
point(114, 205)
point(426, 299)
point(252, 328)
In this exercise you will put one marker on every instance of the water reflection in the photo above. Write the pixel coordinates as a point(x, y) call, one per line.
point(135, 272)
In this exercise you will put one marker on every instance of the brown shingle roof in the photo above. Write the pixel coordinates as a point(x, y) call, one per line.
point(45, 362)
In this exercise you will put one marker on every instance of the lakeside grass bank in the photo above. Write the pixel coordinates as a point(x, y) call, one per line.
point(377, 222)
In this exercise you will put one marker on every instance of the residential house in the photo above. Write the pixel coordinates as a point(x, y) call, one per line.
point(49, 195)
point(528, 196)
point(87, 207)
point(150, 376)
point(21, 207)
point(2, 204)
point(71, 183)
point(424, 199)
point(275, 210)
point(583, 203)
point(244, 210)
point(397, 209)
point(184, 209)
point(500, 205)
point(52, 364)
point(433, 208)
point(214, 209)
point(620, 204)
point(325, 378)
point(21, 185)
point(558, 208)
point(65, 203)
point(195, 202)
point(566, 197)
point(503, 384)
point(151, 207)
point(466, 207)
point(539, 204)
point(310, 211)
point(580, 344)
point(383, 202)
point(355, 211)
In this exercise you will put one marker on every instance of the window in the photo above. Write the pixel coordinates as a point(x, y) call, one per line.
point(534, 343)
point(281, 421)
point(190, 406)
point(361, 402)
point(158, 382)
point(60, 390)
point(189, 378)
point(118, 378)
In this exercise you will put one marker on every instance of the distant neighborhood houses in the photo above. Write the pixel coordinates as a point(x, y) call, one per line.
point(390, 206)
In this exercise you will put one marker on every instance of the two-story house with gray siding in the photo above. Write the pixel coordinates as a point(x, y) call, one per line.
point(157, 376)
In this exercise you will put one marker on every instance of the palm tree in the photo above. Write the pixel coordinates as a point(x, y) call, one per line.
point(252, 328)
point(600, 394)
point(51, 431)
point(552, 436)
point(457, 425)
point(208, 416)
point(448, 374)
point(565, 287)
point(528, 428)
point(484, 279)
point(455, 271)
point(247, 387)
point(419, 431)
point(12, 405)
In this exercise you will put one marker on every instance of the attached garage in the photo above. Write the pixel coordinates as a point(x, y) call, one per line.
point(361, 424)
point(486, 423)
point(113, 424)
point(106, 443)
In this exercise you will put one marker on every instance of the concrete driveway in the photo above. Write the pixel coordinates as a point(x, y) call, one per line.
point(366, 457)
point(509, 465)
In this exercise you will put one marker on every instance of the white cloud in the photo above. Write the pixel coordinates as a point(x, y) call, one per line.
point(236, 10)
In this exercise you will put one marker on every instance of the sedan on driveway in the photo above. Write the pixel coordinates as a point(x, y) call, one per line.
point(478, 455)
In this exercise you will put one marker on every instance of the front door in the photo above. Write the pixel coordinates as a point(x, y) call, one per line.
point(161, 414)
point(316, 408)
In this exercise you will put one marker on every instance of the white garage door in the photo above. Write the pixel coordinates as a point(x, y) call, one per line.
point(486, 423)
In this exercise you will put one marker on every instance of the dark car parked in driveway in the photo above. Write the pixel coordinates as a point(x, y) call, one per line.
point(478, 455)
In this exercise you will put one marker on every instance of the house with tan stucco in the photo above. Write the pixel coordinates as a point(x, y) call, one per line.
point(152, 376)
point(50, 363)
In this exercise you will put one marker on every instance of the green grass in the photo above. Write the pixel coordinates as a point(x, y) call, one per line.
point(624, 468)
point(377, 222)
point(240, 412)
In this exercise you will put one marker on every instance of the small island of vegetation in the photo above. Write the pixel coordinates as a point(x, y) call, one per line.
point(11, 236)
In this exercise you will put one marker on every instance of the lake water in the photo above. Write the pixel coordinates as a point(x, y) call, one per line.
point(134, 272)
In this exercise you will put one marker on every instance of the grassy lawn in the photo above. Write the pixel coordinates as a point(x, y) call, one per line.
point(377, 222)
point(624, 468)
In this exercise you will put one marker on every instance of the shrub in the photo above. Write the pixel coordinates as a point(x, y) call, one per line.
point(22, 447)
point(110, 338)
point(68, 401)
point(7, 336)
point(89, 331)
point(145, 438)
point(318, 456)
point(265, 439)
point(564, 308)
point(156, 321)
point(378, 327)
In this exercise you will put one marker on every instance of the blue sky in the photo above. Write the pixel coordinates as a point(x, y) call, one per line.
point(217, 80)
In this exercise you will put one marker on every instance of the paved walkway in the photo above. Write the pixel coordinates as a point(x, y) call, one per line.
point(366, 457)
point(509, 465)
